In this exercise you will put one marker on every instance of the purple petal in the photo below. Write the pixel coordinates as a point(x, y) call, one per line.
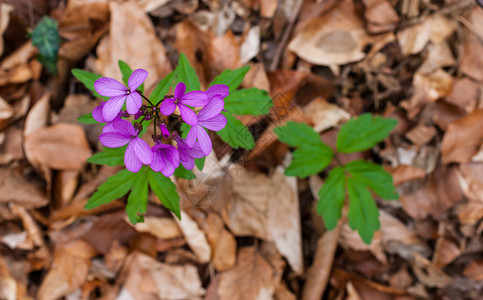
point(189, 163)
point(220, 90)
point(204, 140)
point(97, 113)
point(194, 98)
point(113, 139)
point(142, 150)
point(164, 131)
point(125, 128)
point(131, 160)
point(109, 127)
point(179, 90)
point(214, 107)
point(136, 79)
point(188, 115)
point(167, 107)
point(195, 151)
point(158, 162)
point(216, 123)
point(192, 136)
point(112, 107)
point(172, 161)
point(109, 87)
point(133, 103)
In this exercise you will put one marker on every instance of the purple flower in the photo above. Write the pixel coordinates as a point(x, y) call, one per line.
point(219, 90)
point(119, 94)
point(97, 115)
point(138, 151)
point(193, 98)
point(188, 154)
point(164, 130)
point(165, 159)
point(209, 117)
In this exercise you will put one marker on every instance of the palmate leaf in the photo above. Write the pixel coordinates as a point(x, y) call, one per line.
point(331, 198)
point(113, 188)
point(363, 132)
point(251, 101)
point(46, 38)
point(311, 155)
point(137, 201)
point(231, 78)
point(363, 214)
point(373, 176)
point(235, 133)
point(165, 189)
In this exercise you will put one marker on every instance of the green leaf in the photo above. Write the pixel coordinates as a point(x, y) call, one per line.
point(331, 198)
point(251, 101)
point(46, 38)
point(109, 156)
point(297, 134)
point(374, 176)
point(200, 163)
point(231, 78)
point(182, 172)
point(87, 119)
point(363, 132)
point(88, 79)
point(186, 73)
point(137, 201)
point(113, 188)
point(126, 72)
point(162, 88)
point(309, 159)
point(235, 133)
point(363, 214)
point(165, 189)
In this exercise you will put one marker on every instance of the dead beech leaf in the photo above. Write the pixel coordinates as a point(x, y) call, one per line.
point(421, 134)
point(471, 182)
point(350, 239)
point(38, 115)
point(6, 111)
point(134, 42)
point(15, 188)
point(250, 46)
point(445, 252)
point(62, 146)
point(405, 173)
point(5, 10)
point(464, 94)
point(413, 39)
point(428, 274)
point(8, 284)
point(470, 213)
point(147, 278)
point(224, 52)
point(380, 15)
point(251, 278)
point(222, 242)
point(442, 27)
point(471, 59)
point(474, 270)
point(319, 272)
point(69, 270)
point(463, 137)
point(161, 228)
point(195, 237)
point(332, 39)
point(256, 77)
point(325, 115)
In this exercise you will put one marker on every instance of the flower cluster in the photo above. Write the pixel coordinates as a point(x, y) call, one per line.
point(167, 114)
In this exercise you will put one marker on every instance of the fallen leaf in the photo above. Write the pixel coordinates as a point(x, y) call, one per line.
point(256, 77)
point(471, 182)
point(474, 270)
point(428, 274)
point(251, 278)
point(250, 46)
point(380, 15)
point(222, 242)
point(421, 134)
point(195, 237)
point(464, 94)
point(351, 239)
point(5, 10)
point(38, 115)
point(471, 60)
point(62, 146)
point(470, 213)
point(445, 252)
point(319, 272)
point(325, 115)
point(138, 31)
point(161, 228)
point(462, 139)
point(15, 188)
point(413, 39)
point(405, 173)
point(224, 51)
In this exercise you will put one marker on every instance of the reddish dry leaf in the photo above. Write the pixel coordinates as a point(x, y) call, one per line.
point(65, 186)
point(38, 116)
point(471, 181)
point(470, 213)
point(69, 270)
point(319, 272)
point(252, 278)
point(401, 279)
point(421, 134)
point(62, 146)
point(15, 188)
point(405, 173)
point(224, 51)
point(144, 49)
point(445, 252)
point(413, 39)
point(20, 57)
point(222, 242)
point(471, 59)
point(474, 270)
point(464, 94)
point(428, 274)
point(380, 15)
point(283, 293)
point(5, 10)
point(462, 139)
point(256, 77)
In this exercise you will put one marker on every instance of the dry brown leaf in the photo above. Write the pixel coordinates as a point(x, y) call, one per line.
point(319, 272)
point(438, 55)
point(8, 284)
point(442, 28)
point(69, 270)
point(222, 242)
point(224, 51)
point(401, 279)
point(325, 115)
point(252, 278)
point(256, 77)
point(471, 59)
point(464, 94)
point(5, 10)
point(462, 139)
point(428, 274)
point(65, 186)
point(6, 111)
point(471, 181)
point(38, 115)
point(445, 252)
point(62, 146)
point(380, 15)
point(413, 39)
point(147, 278)
point(283, 293)
point(195, 237)
point(474, 270)
point(134, 42)
point(332, 39)
point(405, 173)
point(161, 228)
point(20, 57)
point(15, 188)
point(250, 46)
point(470, 213)
point(421, 134)
point(351, 239)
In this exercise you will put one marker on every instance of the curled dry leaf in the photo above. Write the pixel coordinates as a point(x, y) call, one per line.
point(224, 52)
point(138, 31)
point(462, 139)
point(251, 278)
point(62, 146)
point(195, 237)
point(332, 39)
point(69, 270)
point(161, 228)
point(147, 277)
point(319, 272)
point(38, 116)
point(251, 45)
